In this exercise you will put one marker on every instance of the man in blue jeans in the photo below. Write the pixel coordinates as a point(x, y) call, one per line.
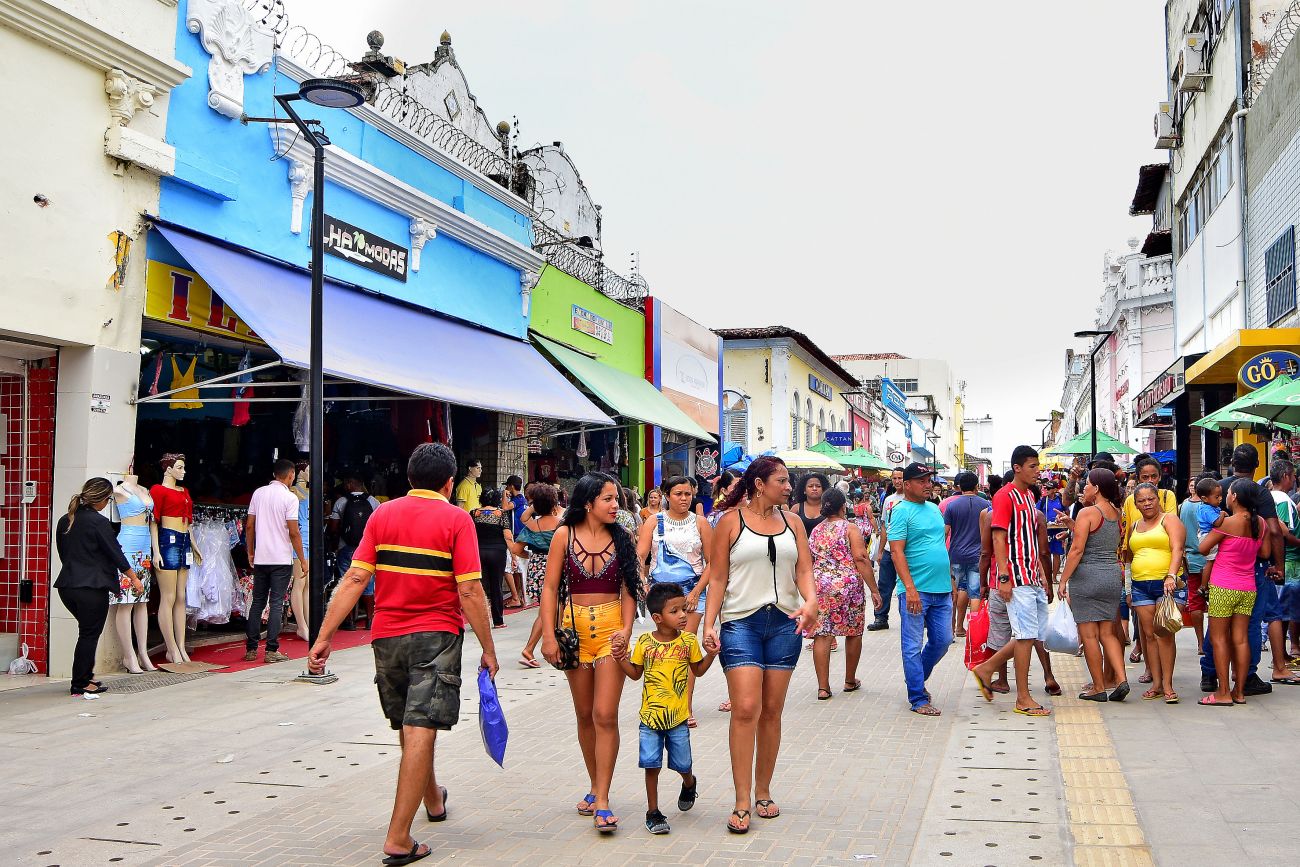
point(888, 577)
point(1245, 461)
point(916, 543)
point(962, 518)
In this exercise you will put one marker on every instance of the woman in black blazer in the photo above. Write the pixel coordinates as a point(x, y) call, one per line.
point(92, 562)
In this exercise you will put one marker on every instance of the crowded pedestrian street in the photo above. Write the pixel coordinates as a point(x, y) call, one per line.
point(596, 433)
point(264, 771)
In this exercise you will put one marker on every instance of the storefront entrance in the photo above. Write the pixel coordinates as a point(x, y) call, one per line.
point(27, 389)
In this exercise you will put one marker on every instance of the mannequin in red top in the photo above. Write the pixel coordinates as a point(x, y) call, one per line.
point(172, 556)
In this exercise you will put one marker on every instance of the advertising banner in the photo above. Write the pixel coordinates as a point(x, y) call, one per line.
point(182, 297)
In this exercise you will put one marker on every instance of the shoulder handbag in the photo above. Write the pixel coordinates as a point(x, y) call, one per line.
point(566, 636)
point(668, 566)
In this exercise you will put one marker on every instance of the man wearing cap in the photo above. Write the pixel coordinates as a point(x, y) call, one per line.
point(916, 544)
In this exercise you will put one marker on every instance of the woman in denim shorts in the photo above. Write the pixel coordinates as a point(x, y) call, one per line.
point(761, 585)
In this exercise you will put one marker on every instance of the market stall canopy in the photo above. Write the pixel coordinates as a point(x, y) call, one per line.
point(859, 457)
point(376, 341)
point(1082, 445)
point(627, 395)
point(807, 459)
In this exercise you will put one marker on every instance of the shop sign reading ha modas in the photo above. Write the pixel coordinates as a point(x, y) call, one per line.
point(363, 248)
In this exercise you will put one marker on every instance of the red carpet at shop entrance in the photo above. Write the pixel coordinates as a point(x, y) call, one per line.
point(231, 653)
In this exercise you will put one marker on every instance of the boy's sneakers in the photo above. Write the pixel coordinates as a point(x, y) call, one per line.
point(273, 656)
point(656, 822)
point(686, 799)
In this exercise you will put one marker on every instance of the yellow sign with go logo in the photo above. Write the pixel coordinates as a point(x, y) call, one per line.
point(1268, 366)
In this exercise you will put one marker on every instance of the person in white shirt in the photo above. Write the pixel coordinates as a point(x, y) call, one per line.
point(273, 538)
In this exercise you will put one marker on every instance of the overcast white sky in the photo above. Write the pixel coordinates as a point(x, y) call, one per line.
point(939, 179)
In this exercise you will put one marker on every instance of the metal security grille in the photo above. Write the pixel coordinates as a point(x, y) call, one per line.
point(737, 424)
point(1279, 271)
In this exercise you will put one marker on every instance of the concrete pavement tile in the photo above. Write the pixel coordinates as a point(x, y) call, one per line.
point(1113, 856)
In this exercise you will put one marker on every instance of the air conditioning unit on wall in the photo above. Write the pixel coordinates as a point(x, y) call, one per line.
point(1165, 128)
point(1193, 63)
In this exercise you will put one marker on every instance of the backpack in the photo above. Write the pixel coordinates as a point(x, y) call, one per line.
point(356, 513)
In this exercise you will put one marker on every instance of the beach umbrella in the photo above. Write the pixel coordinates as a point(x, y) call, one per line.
point(1082, 445)
point(807, 459)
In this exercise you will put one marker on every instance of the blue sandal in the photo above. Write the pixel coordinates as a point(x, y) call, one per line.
point(590, 800)
point(607, 816)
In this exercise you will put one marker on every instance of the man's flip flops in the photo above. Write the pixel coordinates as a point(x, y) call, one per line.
point(409, 858)
point(984, 687)
point(1033, 711)
point(441, 817)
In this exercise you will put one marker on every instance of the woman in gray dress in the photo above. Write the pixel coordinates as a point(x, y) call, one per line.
point(1094, 585)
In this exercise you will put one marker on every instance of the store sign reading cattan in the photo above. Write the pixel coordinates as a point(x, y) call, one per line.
point(363, 248)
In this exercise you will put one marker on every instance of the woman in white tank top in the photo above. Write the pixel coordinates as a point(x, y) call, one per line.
point(761, 584)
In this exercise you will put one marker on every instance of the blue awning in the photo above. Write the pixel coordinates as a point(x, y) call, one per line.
point(376, 341)
point(922, 451)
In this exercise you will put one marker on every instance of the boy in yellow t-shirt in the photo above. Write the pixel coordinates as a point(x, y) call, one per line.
point(664, 656)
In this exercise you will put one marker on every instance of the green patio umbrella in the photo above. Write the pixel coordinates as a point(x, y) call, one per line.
point(859, 457)
point(1235, 419)
point(1277, 403)
point(1082, 445)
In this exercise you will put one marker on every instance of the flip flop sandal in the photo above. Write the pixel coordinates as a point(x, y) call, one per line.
point(607, 816)
point(983, 687)
point(825, 697)
point(529, 663)
point(724, 707)
point(926, 710)
point(1033, 711)
point(1209, 701)
point(1288, 681)
point(853, 687)
point(1054, 691)
point(1145, 678)
point(691, 723)
point(1171, 698)
point(742, 815)
point(767, 804)
point(409, 858)
point(441, 817)
point(1151, 695)
point(1000, 688)
point(589, 799)
point(1135, 657)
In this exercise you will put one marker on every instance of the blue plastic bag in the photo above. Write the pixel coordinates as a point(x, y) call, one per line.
point(491, 719)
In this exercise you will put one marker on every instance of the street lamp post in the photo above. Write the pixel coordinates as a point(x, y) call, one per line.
point(1092, 366)
point(327, 93)
point(933, 438)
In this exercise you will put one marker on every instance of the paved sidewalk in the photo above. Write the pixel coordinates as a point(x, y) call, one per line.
point(1211, 785)
point(854, 779)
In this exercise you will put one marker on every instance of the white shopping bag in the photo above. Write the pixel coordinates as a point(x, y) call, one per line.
point(1062, 633)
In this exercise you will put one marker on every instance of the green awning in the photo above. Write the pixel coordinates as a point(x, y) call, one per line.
point(859, 457)
point(627, 395)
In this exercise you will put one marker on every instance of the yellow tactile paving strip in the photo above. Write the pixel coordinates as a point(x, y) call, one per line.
point(1103, 822)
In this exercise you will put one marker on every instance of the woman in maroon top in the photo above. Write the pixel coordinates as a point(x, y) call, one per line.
point(591, 583)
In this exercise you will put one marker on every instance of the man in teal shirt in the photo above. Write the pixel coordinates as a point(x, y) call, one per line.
point(916, 544)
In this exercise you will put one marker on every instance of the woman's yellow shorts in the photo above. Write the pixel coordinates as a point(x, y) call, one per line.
point(595, 625)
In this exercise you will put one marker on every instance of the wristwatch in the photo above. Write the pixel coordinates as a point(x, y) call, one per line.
point(1003, 579)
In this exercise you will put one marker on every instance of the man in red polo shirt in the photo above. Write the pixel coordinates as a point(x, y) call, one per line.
point(423, 554)
point(1020, 578)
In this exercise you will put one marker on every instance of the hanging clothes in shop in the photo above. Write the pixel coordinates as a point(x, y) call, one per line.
point(188, 399)
point(240, 414)
point(157, 373)
point(213, 577)
point(302, 417)
point(582, 444)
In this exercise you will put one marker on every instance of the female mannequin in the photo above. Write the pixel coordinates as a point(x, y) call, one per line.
point(134, 506)
point(298, 590)
point(172, 555)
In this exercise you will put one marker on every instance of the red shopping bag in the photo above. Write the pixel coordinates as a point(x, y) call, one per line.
point(977, 633)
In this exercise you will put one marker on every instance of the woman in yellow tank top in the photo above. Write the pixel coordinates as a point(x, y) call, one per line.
point(1155, 547)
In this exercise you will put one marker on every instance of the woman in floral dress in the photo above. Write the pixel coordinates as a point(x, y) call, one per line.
point(842, 575)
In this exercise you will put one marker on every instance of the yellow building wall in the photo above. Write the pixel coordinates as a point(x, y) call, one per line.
point(749, 371)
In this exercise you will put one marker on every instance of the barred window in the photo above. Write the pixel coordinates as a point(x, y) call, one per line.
point(1279, 271)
